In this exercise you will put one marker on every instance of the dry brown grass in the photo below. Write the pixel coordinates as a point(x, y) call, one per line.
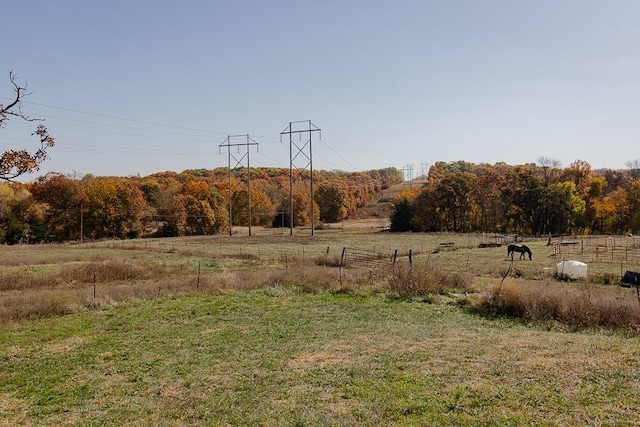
point(45, 280)
point(408, 281)
point(583, 305)
point(27, 277)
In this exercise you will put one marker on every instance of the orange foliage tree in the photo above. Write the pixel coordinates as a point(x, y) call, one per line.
point(112, 207)
point(61, 199)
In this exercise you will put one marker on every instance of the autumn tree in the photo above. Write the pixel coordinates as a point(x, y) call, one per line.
point(579, 172)
point(172, 213)
point(523, 196)
point(14, 163)
point(62, 199)
point(112, 206)
point(617, 211)
point(301, 207)
point(262, 208)
point(486, 194)
point(593, 195)
point(21, 220)
point(561, 205)
point(333, 202)
point(426, 212)
point(403, 213)
point(634, 206)
point(452, 196)
point(197, 209)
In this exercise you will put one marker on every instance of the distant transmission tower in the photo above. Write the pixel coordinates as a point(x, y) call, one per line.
point(300, 151)
point(248, 142)
point(407, 172)
point(424, 171)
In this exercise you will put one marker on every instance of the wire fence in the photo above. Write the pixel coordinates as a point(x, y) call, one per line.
point(599, 249)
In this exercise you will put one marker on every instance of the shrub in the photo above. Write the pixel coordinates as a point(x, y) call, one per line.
point(582, 306)
point(329, 261)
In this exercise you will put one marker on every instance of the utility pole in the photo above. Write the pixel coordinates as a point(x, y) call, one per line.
point(81, 222)
point(306, 153)
point(228, 142)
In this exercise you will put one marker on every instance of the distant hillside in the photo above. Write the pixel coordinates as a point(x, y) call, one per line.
point(381, 208)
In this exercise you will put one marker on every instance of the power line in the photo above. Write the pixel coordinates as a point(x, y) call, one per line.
point(337, 154)
point(175, 136)
point(272, 139)
point(119, 118)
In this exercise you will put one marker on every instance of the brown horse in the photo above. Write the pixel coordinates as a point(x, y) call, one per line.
point(522, 249)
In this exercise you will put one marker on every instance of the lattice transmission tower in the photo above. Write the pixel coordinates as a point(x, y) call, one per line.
point(300, 151)
point(238, 165)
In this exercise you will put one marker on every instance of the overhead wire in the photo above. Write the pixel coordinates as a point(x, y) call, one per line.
point(177, 136)
point(338, 154)
point(121, 118)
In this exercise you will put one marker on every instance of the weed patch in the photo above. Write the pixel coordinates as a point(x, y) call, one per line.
point(408, 281)
point(583, 305)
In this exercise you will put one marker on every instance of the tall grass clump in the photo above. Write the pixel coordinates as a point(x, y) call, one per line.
point(408, 281)
point(112, 270)
point(30, 278)
point(575, 305)
point(307, 279)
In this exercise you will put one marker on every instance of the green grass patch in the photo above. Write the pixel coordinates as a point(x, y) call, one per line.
point(280, 357)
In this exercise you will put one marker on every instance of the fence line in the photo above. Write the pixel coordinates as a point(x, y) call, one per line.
point(599, 249)
point(364, 258)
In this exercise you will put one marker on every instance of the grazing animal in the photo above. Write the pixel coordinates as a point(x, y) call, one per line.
point(522, 249)
point(631, 278)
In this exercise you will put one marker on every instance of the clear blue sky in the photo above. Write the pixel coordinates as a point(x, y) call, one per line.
point(137, 87)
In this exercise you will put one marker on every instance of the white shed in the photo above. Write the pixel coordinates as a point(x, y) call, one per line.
point(572, 269)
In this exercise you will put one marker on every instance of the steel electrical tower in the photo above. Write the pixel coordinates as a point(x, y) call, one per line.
point(407, 172)
point(229, 142)
point(300, 151)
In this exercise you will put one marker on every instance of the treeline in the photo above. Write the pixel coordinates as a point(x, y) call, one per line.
point(57, 208)
point(533, 199)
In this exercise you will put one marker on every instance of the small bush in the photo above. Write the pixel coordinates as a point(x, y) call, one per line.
point(329, 261)
point(606, 279)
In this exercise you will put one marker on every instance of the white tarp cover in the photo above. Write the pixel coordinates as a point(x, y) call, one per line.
point(572, 269)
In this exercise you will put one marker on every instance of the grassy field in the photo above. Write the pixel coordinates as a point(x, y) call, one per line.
point(246, 330)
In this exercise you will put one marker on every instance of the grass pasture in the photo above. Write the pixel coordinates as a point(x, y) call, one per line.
point(239, 330)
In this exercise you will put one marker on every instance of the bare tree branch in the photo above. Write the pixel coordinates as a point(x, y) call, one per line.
point(14, 163)
point(634, 168)
point(549, 168)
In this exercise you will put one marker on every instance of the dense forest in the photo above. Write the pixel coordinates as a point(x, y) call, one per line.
point(57, 208)
point(535, 199)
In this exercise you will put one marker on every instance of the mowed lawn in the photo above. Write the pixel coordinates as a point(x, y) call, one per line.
point(278, 357)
